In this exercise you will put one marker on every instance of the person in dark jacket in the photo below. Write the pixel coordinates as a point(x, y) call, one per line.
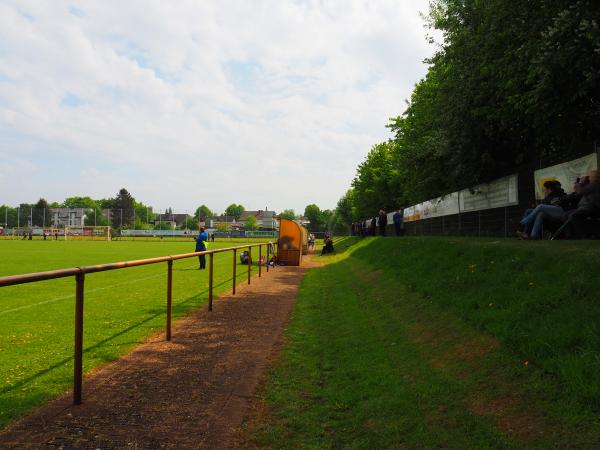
point(589, 205)
point(201, 247)
point(382, 222)
point(328, 246)
point(549, 209)
point(398, 219)
point(373, 228)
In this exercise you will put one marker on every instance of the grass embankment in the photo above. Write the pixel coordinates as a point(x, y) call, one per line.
point(121, 308)
point(460, 343)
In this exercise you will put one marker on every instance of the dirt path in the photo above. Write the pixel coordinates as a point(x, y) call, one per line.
point(192, 392)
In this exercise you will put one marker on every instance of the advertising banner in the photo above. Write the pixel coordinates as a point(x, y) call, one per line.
point(412, 213)
point(441, 206)
point(497, 194)
point(566, 173)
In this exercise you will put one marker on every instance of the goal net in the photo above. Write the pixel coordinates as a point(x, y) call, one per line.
point(87, 233)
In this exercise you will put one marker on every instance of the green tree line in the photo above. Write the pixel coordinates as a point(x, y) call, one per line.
point(122, 210)
point(512, 82)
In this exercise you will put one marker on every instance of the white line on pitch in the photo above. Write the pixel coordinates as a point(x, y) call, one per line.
point(52, 300)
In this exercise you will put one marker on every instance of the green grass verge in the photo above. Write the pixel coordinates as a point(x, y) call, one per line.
point(441, 342)
point(121, 308)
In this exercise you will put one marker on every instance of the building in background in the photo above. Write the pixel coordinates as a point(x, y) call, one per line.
point(176, 220)
point(69, 217)
point(266, 220)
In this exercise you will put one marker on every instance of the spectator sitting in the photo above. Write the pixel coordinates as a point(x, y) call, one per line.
point(568, 203)
point(588, 206)
point(245, 257)
point(550, 207)
point(328, 247)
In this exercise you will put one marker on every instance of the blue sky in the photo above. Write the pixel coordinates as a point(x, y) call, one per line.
point(265, 103)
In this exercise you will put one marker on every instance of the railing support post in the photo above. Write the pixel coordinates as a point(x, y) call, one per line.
point(259, 261)
point(169, 297)
point(234, 269)
point(78, 363)
point(249, 262)
point(210, 281)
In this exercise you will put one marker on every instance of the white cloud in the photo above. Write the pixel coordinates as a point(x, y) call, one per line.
point(267, 103)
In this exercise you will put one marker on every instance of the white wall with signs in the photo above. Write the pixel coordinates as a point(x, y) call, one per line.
point(497, 194)
point(566, 173)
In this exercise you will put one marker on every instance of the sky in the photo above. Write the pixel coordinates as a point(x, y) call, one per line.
point(260, 103)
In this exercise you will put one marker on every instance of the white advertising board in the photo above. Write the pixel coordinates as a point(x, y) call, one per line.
point(498, 193)
point(441, 206)
point(566, 173)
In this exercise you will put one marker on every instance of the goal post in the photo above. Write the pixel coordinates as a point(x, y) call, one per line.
point(91, 233)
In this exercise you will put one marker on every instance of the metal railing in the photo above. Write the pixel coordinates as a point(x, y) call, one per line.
point(80, 272)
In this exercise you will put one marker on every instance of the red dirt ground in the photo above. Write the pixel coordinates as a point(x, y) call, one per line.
point(192, 392)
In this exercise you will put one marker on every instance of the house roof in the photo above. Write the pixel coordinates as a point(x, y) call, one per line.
point(260, 214)
point(171, 217)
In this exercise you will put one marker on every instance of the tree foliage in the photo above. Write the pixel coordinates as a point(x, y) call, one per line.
point(122, 207)
point(288, 214)
point(80, 202)
point(41, 216)
point(235, 210)
point(512, 82)
point(203, 212)
point(251, 224)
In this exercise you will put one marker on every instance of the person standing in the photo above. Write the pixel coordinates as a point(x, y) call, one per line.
point(398, 219)
point(201, 247)
point(382, 222)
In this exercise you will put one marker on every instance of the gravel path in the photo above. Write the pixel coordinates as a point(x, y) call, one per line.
point(192, 392)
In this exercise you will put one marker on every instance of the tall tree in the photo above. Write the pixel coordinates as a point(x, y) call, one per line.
point(80, 202)
point(251, 224)
point(203, 212)
point(8, 216)
point(235, 211)
point(315, 217)
point(41, 214)
point(122, 209)
point(288, 214)
point(190, 223)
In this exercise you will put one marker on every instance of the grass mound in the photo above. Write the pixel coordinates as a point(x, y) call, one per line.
point(465, 343)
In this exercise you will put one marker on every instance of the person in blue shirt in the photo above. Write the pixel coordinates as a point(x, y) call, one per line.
point(398, 219)
point(201, 247)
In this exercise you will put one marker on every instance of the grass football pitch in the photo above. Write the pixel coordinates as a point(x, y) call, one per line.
point(121, 308)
